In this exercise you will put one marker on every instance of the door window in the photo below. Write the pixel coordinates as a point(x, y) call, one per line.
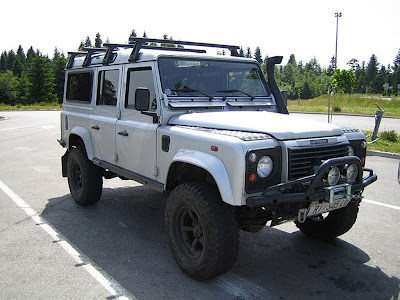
point(108, 87)
point(140, 78)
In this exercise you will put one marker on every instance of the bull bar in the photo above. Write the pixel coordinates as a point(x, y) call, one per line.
point(310, 186)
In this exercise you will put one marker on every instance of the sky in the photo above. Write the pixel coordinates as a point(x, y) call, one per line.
point(305, 28)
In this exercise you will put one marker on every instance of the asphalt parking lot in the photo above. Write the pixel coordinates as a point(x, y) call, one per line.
point(51, 248)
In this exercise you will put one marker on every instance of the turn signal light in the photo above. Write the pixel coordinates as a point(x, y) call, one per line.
point(252, 178)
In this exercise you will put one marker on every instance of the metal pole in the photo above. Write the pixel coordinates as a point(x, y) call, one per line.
point(337, 15)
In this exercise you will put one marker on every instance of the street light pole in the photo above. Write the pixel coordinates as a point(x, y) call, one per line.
point(337, 16)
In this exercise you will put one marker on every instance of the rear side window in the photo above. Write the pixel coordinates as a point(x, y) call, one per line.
point(79, 86)
point(108, 87)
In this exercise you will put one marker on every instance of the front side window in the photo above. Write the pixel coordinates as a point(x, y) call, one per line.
point(140, 78)
point(183, 77)
point(107, 92)
point(79, 86)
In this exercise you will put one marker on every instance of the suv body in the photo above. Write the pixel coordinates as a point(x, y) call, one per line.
point(212, 131)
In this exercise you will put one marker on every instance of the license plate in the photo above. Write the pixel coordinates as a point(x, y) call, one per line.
point(317, 208)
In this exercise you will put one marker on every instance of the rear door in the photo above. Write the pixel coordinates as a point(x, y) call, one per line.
point(106, 113)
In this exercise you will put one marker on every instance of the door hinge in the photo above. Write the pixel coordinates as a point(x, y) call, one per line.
point(118, 113)
point(156, 171)
point(115, 157)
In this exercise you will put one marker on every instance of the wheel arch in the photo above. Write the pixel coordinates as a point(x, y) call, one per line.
point(188, 166)
point(81, 136)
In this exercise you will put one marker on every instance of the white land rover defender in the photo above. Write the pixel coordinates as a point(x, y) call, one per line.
point(215, 134)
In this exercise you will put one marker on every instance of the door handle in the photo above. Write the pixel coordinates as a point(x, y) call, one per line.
point(95, 127)
point(123, 133)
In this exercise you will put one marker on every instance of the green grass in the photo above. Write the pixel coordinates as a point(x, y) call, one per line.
point(384, 143)
point(35, 106)
point(359, 104)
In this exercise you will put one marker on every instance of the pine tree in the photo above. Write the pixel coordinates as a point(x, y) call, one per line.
point(292, 60)
point(58, 64)
point(30, 55)
point(248, 53)
point(241, 52)
point(97, 41)
point(21, 54)
point(81, 46)
point(10, 59)
point(3, 61)
point(257, 55)
point(132, 35)
point(18, 66)
point(88, 42)
point(41, 80)
point(396, 72)
point(331, 67)
point(372, 72)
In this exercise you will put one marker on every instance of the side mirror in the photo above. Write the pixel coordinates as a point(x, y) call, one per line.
point(142, 99)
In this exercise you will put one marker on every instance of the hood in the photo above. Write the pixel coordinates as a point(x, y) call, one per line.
point(280, 126)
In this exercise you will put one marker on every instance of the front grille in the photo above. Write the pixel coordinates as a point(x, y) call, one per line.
point(303, 161)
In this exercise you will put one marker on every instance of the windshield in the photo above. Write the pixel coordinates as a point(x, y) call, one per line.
point(210, 78)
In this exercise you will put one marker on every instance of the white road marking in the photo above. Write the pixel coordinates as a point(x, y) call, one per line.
point(113, 287)
point(381, 204)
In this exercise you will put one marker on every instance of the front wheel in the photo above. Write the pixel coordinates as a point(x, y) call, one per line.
point(84, 179)
point(336, 223)
point(202, 230)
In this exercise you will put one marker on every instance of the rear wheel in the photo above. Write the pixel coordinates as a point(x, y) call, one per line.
point(330, 226)
point(202, 230)
point(84, 179)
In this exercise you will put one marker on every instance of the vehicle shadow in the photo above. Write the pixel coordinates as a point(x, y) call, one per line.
point(124, 235)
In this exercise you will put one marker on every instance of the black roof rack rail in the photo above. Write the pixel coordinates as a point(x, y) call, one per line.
point(90, 52)
point(72, 56)
point(110, 48)
point(141, 43)
point(173, 49)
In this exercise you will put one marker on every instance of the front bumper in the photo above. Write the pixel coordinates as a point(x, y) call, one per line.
point(311, 188)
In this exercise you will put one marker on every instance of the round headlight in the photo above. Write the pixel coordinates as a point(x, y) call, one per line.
point(351, 173)
point(333, 176)
point(265, 166)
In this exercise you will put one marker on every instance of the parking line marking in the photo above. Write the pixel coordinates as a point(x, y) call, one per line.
point(110, 284)
point(381, 204)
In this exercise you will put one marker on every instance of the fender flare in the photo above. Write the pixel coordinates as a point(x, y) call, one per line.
point(211, 164)
point(84, 134)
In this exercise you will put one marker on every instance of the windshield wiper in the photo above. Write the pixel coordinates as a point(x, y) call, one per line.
point(186, 89)
point(237, 91)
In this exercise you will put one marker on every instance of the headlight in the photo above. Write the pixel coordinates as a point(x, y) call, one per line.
point(333, 176)
point(351, 173)
point(265, 166)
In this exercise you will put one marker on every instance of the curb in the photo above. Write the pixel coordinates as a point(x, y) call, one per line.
point(383, 154)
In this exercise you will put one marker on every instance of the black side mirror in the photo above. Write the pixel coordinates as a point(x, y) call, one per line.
point(142, 99)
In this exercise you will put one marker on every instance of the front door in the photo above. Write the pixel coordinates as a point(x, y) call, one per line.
point(136, 137)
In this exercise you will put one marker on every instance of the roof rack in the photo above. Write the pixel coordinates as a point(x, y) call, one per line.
point(142, 43)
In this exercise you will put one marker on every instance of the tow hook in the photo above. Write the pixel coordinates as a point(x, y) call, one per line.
point(302, 215)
